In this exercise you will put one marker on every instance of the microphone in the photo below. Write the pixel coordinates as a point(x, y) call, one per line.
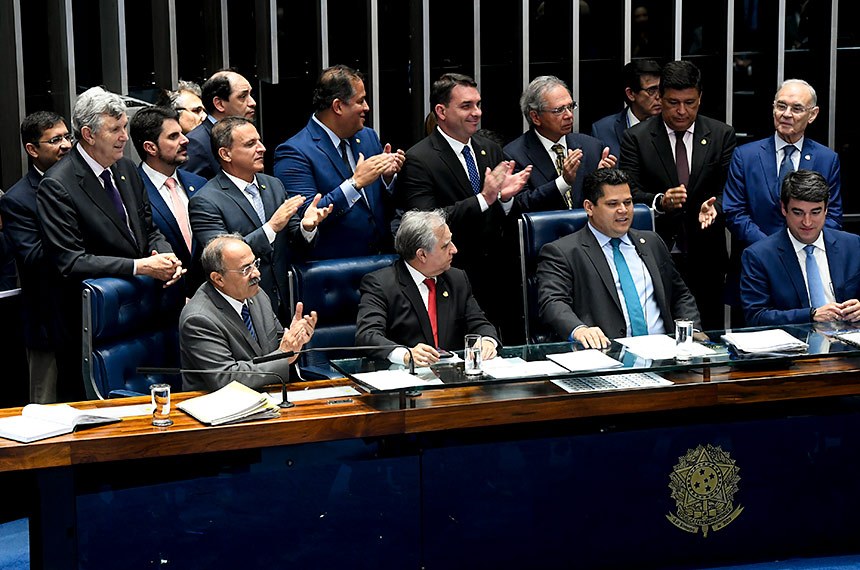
point(290, 354)
point(285, 403)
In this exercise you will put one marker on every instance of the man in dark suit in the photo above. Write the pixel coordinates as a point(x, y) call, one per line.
point(807, 273)
point(752, 193)
point(336, 156)
point(241, 199)
point(95, 215)
point(607, 280)
point(641, 102)
point(420, 301)
point(158, 139)
point(225, 94)
point(229, 322)
point(559, 157)
point(46, 140)
point(682, 176)
point(467, 176)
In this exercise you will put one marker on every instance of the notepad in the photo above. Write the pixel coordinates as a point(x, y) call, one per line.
point(38, 421)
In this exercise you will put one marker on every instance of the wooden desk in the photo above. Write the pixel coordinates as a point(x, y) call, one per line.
point(490, 453)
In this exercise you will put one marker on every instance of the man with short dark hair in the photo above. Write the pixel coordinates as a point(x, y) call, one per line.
point(46, 140)
point(229, 322)
point(807, 272)
point(421, 301)
point(608, 280)
point(225, 94)
point(641, 102)
point(336, 156)
point(241, 199)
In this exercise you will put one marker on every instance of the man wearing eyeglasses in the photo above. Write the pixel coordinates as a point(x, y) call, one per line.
point(46, 140)
point(641, 102)
point(229, 322)
point(560, 158)
point(751, 201)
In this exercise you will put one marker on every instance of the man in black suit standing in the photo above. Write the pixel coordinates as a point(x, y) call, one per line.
point(607, 280)
point(46, 140)
point(95, 215)
point(678, 164)
point(241, 199)
point(466, 175)
point(421, 301)
point(559, 157)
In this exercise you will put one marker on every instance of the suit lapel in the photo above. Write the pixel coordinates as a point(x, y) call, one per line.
point(767, 162)
point(324, 143)
point(410, 290)
point(644, 251)
point(446, 314)
point(233, 321)
point(595, 254)
point(261, 344)
point(95, 191)
point(190, 189)
point(161, 208)
point(267, 195)
point(791, 265)
point(660, 141)
point(239, 198)
point(835, 265)
point(701, 149)
point(447, 156)
point(538, 156)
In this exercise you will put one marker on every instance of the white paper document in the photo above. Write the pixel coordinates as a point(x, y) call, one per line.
point(501, 368)
point(126, 411)
point(659, 346)
point(590, 359)
point(852, 337)
point(394, 380)
point(316, 394)
point(771, 340)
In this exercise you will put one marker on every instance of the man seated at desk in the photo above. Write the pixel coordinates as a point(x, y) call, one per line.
point(421, 301)
point(229, 322)
point(806, 273)
point(606, 279)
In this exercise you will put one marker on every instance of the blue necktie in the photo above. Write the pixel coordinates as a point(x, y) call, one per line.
point(116, 200)
point(813, 279)
point(256, 201)
point(786, 165)
point(249, 324)
point(631, 297)
point(474, 178)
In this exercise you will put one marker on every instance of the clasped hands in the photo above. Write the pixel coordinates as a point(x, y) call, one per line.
point(425, 355)
point(845, 311)
point(162, 266)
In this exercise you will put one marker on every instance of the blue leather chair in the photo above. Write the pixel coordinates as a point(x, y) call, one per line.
point(129, 323)
point(331, 288)
point(539, 228)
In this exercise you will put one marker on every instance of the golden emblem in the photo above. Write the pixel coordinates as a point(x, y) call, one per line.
point(703, 484)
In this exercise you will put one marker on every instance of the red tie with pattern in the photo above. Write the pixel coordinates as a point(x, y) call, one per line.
point(431, 309)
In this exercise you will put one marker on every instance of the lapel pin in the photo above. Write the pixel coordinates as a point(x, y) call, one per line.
point(263, 186)
point(121, 177)
point(641, 240)
point(357, 141)
point(483, 152)
point(807, 157)
point(444, 293)
point(704, 141)
point(191, 188)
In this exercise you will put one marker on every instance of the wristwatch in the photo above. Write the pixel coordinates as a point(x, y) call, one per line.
point(812, 312)
point(354, 183)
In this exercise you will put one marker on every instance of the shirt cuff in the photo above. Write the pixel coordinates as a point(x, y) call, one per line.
point(270, 233)
point(396, 355)
point(506, 206)
point(482, 202)
point(308, 235)
point(350, 193)
point(657, 198)
point(562, 185)
point(134, 269)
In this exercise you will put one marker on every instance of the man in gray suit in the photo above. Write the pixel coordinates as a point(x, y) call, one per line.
point(229, 322)
point(607, 280)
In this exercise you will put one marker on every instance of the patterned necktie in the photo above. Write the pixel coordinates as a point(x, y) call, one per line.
point(116, 200)
point(628, 288)
point(472, 169)
point(681, 163)
point(344, 156)
point(431, 309)
point(179, 211)
point(559, 169)
point(786, 165)
point(813, 279)
point(249, 324)
point(256, 201)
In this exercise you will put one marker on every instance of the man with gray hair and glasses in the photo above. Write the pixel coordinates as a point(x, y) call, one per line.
point(421, 301)
point(559, 157)
point(95, 214)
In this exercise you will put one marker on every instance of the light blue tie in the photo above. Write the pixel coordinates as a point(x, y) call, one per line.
point(249, 324)
point(813, 279)
point(786, 165)
point(474, 178)
point(256, 201)
point(631, 297)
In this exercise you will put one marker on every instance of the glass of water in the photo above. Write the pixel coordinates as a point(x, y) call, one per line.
point(683, 339)
point(161, 405)
point(472, 355)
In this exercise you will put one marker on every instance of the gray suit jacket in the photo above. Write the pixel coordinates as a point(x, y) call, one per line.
point(575, 284)
point(212, 336)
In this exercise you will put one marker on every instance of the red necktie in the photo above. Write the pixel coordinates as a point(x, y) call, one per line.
point(431, 309)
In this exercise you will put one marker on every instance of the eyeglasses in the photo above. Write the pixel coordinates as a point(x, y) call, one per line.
point(650, 91)
point(58, 139)
point(195, 110)
point(796, 109)
point(562, 109)
point(245, 271)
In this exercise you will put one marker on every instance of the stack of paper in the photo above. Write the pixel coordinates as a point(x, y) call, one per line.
point(502, 368)
point(852, 337)
point(38, 421)
point(590, 359)
point(771, 340)
point(234, 402)
point(659, 347)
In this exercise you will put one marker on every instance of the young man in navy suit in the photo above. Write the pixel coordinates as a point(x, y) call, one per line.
point(158, 139)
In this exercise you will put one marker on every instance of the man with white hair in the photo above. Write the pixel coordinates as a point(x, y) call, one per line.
point(95, 214)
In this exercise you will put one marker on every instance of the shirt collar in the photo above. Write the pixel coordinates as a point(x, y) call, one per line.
point(241, 184)
point(798, 246)
point(691, 129)
point(603, 239)
point(548, 144)
point(416, 275)
point(335, 140)
point(156, 177)
point(781, 144)
point(456, 145)
point(92, 163)
point(236, 304)
point(631, 118)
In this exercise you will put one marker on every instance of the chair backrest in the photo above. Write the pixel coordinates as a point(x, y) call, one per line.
point(331, 288)
point(129, 323)
point(539, 228)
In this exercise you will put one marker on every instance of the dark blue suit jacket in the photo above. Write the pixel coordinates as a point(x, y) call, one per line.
point(610, 129)
point(541, 192)
point(751, 198)
point(772, 288)
point(201, 160)
point(309, 164)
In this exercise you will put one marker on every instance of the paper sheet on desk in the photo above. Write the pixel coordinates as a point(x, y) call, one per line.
point(394, 380)
point(501, 368)
point(771, 340)
point(659, 346)
point(124, 411)
point(316, 394)
point(579, 360)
